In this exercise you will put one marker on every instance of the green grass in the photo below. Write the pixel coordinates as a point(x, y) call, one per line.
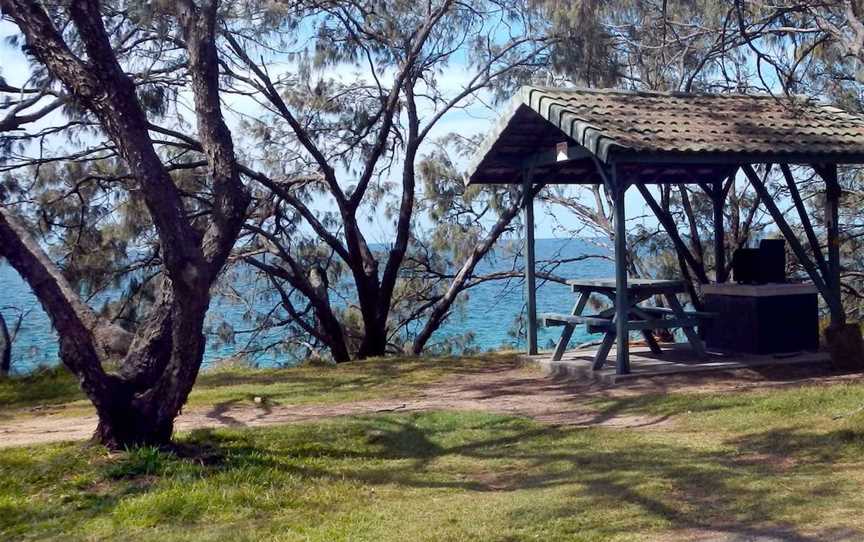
point(371, 379)
point(376, 378)
point(732, 412)
point(466, 476)
point(786, 463)
point(46, 387)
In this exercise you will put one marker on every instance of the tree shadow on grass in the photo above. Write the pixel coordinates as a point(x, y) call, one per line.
point(221, 411)
point(367, 372)
point(52, 498)
point(686, 487)
point(803, 447)
point(639, 481)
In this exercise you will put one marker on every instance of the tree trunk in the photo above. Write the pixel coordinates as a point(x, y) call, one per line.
point(144, 414)
point(5, 348)
point(331, 328)
point(138, 404)
point(374, 342)
point(128, 422)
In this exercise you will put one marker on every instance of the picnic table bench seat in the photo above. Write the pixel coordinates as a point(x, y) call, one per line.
point(596, 320)
point(598, 323)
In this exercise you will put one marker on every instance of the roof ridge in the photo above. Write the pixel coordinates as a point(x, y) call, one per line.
point(525, 89)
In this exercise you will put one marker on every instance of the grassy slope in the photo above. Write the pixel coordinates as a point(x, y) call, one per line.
point(354, 381)
point(777, 463)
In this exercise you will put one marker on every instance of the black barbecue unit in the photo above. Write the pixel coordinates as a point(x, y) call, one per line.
point(762, 314)
point(772, 261)
point(745, 265)
point(763, 265)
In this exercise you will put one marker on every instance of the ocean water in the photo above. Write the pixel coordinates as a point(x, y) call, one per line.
point(490, 314)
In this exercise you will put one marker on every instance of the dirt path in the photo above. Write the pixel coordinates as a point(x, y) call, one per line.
point(505, 389)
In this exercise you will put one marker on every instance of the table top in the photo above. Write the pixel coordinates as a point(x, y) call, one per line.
point(652, 285)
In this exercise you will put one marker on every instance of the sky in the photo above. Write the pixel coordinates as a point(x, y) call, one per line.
point(478, 118)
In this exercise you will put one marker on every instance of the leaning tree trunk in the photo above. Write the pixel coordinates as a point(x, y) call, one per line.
point(441, 309)
point(331, 328)
point(5, 348)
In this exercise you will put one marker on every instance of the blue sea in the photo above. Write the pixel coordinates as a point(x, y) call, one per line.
point(490, 314)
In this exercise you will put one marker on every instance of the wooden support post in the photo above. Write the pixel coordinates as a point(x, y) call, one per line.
point(793, 241)
point(843, 340)
point(622, 306)
point(832, 224)
point(530, 281)
point(603, 351)
point(718, 199)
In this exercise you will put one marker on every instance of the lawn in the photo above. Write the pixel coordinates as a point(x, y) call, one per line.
point(784, 464)
point(376, 378)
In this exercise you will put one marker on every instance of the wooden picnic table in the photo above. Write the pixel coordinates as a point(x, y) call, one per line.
point(640, 318)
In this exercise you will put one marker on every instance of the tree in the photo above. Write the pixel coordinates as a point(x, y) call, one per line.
point(679, 45)
point(355, 146)
point(157, 367)
point(782, 48)
point(815, 49)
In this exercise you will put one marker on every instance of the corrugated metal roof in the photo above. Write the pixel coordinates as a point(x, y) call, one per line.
point(621, 126)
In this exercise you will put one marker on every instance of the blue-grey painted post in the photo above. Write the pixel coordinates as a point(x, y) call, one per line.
point(530, 282)
point(717, 200)
point(622, 356)
point(832, 223)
